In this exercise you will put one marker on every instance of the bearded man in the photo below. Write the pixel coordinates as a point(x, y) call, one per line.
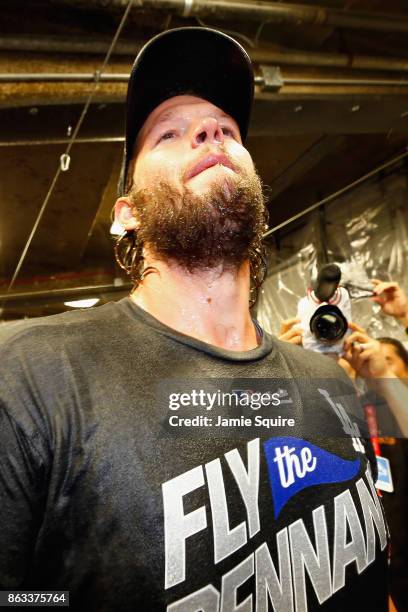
point(134, 503)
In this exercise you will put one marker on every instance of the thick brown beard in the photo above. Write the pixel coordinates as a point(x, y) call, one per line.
point(201, 232)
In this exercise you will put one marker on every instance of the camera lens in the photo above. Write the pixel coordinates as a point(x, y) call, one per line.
point(328, 323)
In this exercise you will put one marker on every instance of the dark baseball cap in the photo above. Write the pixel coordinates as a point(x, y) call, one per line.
point(193, 60)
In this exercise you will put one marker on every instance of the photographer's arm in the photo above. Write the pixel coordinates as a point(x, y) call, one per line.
point(366, 358)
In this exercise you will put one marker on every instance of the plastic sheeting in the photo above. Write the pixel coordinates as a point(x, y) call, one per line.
point(365, 232)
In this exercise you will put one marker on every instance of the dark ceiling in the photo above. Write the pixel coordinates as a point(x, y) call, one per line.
point(336, 108)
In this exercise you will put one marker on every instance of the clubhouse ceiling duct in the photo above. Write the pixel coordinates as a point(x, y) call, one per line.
point(269, 12)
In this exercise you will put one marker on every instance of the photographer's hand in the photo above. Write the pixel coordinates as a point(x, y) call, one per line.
point(365, 356)
point(392, 300)
point(289, 332)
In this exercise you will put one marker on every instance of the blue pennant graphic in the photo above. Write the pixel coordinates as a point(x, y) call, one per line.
point(294, 465)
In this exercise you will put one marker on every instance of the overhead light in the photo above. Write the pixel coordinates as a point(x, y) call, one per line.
point(82, 303)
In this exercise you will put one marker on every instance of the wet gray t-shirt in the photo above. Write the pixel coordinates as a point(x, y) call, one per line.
point(100, 496)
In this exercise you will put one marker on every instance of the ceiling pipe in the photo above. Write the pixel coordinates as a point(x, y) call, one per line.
point(259, 55)
point(262, 81)
point(329, 60)
point(270, 12)
point(64, 77)
point(60, 141)
point(317, 81)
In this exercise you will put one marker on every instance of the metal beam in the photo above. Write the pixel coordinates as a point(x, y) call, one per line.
point(282, 56)
point(273, 115)
point(338, 193)
point(58, 294)
point(67, 44)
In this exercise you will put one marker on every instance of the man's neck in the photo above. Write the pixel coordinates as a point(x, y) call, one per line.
point(211, 306)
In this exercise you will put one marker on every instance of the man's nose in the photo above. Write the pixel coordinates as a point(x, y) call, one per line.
point(207, 131)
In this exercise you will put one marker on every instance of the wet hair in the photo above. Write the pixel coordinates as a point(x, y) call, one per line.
point(399, 348)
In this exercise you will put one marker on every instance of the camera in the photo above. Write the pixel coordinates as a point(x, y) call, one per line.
point(324, 312)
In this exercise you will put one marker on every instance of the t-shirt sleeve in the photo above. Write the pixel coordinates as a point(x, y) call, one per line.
point(22, 500)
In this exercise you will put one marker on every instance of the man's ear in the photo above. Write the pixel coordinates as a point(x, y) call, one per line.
point(124, 214)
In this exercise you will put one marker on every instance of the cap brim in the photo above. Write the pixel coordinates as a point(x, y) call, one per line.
point(198, 61)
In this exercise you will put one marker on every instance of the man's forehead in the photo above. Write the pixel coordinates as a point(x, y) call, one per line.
point(175, 107)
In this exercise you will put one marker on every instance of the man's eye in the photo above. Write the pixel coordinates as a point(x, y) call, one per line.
point(167, 136)
point(227, 131)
